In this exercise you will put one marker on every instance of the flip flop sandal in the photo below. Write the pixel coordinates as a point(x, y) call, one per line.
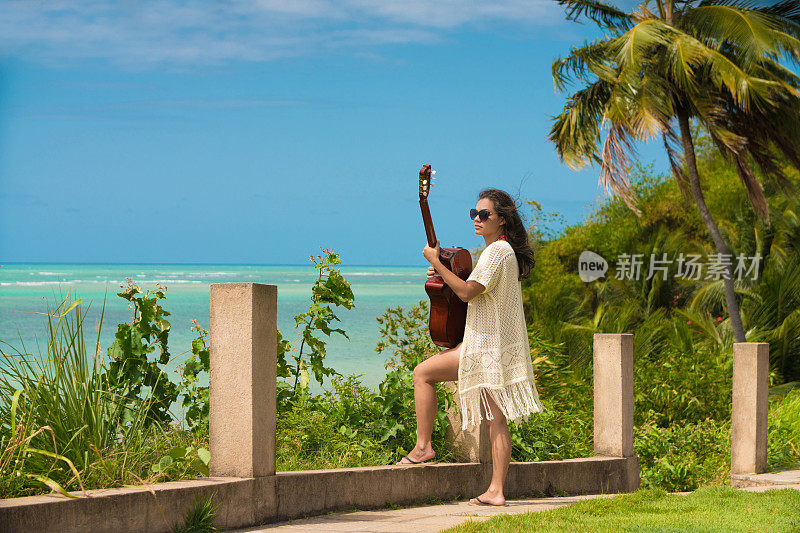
point(486, 503)
point(416, 462)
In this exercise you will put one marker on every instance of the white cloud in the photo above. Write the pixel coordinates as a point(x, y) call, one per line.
point(143, 33)
point(453, 13)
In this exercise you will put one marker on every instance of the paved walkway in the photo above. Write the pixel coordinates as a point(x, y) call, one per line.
point(432, 518)
point(419, 519)
point(773, 479)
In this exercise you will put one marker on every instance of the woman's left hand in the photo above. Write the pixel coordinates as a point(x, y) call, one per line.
point(431, 254)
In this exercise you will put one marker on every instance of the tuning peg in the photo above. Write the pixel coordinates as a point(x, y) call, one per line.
point(433, 172)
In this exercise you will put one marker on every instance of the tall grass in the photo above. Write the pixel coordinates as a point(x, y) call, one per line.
point(61, 426)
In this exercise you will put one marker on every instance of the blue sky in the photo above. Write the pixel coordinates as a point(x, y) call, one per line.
point(258, 131)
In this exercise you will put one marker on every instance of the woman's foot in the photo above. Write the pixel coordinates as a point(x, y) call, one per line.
point(418, 455)
point(490, 497)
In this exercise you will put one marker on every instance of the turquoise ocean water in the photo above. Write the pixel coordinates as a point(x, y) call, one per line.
point(26, 288)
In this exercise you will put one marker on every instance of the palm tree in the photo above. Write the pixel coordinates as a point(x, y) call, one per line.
point(722, 63)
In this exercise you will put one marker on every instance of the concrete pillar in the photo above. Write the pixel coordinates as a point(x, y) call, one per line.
point(749, 407)
point(242, 381)
point(613, 394)
point(473, 445)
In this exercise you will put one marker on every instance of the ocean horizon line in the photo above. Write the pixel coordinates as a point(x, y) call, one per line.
point(195, 264)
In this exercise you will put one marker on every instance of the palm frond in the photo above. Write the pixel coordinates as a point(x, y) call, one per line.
point(787, 239)
point(786, 134)
point(781, 125)
point(576, 131)
point(682, 58)
point(759, 147)
point(686, 55)
point(676, 161)
point(728, 141)
point(752, 35)
point(615, 166)
point(786, 341)
point(787, 11)
point(755, 191)
point(651, 336)
point(653, 44)
point(749, 31)
point(777, 313)
point(772, 69)
point(757, 133)
point(749, 36)
point(591, 58)
point(700, 319)
point(711, 295)
point(603, 14)
point(639, 40)
point(787, 46)
point(650, 107)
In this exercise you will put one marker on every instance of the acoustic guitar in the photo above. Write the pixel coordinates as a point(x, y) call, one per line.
point(448, 311)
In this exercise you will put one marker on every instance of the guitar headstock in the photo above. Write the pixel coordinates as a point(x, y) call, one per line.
point(425, 180)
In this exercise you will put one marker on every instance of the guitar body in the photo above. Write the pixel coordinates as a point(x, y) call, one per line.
point(448, 312)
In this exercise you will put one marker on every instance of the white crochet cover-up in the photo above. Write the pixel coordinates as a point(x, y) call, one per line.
point(495, 354)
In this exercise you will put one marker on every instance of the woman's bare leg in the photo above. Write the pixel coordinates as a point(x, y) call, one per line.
point(440, 367)
point(501, 456)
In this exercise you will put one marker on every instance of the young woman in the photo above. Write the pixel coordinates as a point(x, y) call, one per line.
point(492, 364)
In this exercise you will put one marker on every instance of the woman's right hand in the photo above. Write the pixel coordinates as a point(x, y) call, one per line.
point(431, 272)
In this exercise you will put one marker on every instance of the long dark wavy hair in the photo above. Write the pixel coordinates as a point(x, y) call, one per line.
point(515, 233)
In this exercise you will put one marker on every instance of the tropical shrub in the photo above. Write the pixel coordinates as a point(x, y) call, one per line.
point(64, 427)
point(129, 367)
point(330, 288)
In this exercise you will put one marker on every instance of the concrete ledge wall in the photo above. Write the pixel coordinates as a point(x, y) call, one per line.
point(302, 493)
point(310, 492)
point(133, 509)
point(592, 475)
point(249, 501)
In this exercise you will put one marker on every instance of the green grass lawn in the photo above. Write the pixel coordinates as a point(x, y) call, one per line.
point(711, 508)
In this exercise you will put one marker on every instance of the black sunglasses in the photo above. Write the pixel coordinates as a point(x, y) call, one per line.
point(483, 214)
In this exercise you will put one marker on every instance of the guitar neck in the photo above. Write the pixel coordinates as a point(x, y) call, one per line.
point(426, 220)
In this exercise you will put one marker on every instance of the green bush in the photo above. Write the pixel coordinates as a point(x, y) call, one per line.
point(330, 288)
point(682, 457)
point(680, 387)
point(784, 431)
point(354, 425)
point(334, 430)
point(65, 427)
point(553, 435)
point(405, 335)
point(129, 368)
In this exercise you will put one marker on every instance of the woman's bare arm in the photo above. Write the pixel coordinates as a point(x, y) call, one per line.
point(465, 290)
